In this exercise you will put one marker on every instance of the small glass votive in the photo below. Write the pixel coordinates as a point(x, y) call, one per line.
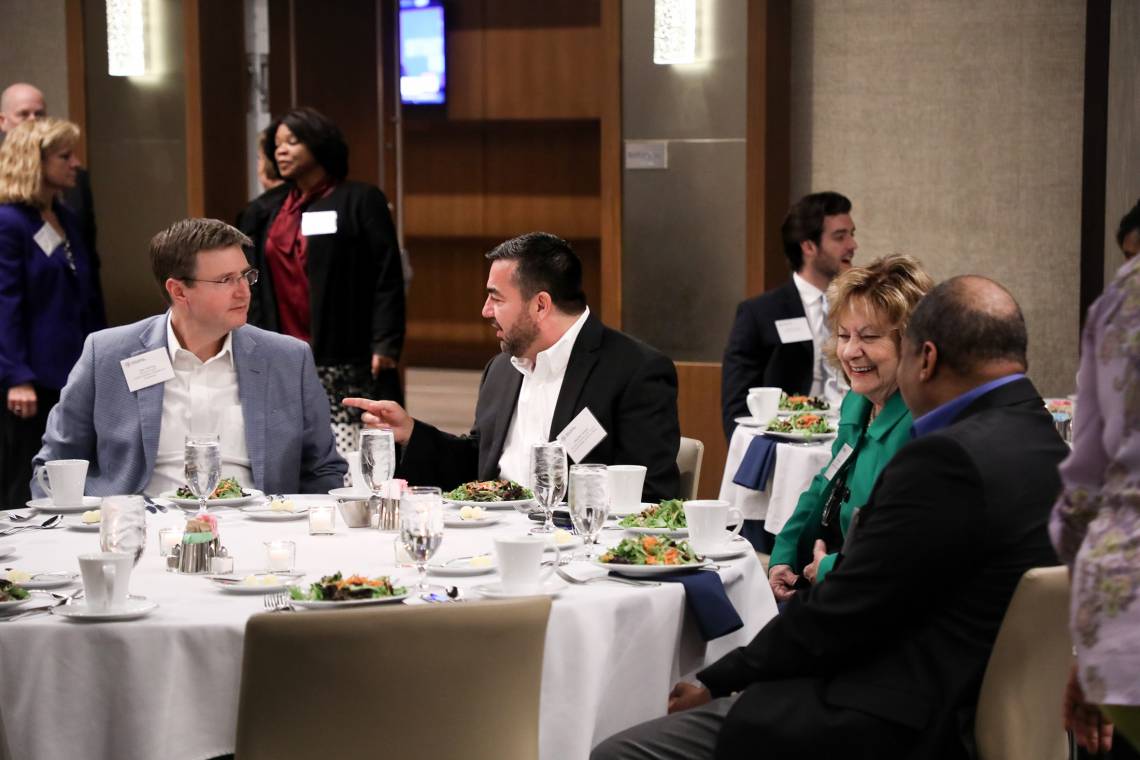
point(168, 538)
point(322, 520)
point(280, 555)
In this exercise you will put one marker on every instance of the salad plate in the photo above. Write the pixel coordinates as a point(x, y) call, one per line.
point(322, 604)
point(514, 504)
point(192, 504)
point(464, 566)
point(664, 519)
point(133, 609)
point(46, 505)
point(551, 588)
point(800, 437)
point(491, 494)
point(641, 571)
point(53, 579)
point(235, 583)
point(670, 532)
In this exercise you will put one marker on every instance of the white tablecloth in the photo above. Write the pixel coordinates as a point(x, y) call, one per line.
point(796, 465)
point(167, 685)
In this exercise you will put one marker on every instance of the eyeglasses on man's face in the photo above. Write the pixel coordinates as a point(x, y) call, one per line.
point(231, 280)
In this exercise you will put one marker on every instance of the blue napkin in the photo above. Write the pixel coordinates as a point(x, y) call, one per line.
point(757, 465)
point(707, 601)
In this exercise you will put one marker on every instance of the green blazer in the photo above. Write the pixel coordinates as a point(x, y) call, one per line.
point(888, 433)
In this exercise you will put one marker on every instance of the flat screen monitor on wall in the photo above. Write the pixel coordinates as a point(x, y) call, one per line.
point(423, 66)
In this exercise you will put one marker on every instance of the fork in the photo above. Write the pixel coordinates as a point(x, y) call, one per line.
point(278, 602)
point(600, 578)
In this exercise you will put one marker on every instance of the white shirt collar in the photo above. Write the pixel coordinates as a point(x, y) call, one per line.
point(553, 361)
point(173, 346)
point(808, 293)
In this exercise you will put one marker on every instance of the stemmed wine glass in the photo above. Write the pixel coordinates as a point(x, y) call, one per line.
point(589, 502)
point(203, 466)
point(122, 525)
point(547, 479)
point(421, 527)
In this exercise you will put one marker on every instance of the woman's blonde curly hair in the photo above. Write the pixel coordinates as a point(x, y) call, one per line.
point(889, 288)
point(21, 157)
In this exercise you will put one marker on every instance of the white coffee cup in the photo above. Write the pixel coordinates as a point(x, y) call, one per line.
point(63, 481)
point(520, 563)
point(355, 474)
point(106, 578)
point(763, 403)
point(626, 482)
point(707, 521)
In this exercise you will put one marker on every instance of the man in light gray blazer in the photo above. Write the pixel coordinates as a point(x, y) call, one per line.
point(138, 389)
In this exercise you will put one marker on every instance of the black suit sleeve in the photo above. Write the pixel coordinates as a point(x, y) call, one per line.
point(745, 358)
point(388, 309)
point(435, 458)
point(650, 432)
point(914, 535)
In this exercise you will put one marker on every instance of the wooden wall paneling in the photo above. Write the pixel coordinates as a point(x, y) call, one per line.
point(610, 164)
point(195, 179)
point(76, 72)
point(280, 55)
point(466, 80)
point(543, 73)
point(768, 133)
point(388, 64)
point(698, 407)
point(515, 14)
point(443, 180)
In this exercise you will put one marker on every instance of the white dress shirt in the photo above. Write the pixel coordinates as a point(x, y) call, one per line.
point(201, 399)
point(538, 395)
point(826, 380)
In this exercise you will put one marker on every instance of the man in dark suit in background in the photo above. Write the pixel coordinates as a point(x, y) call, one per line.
point(885, 660)
point(560, 366)
point(777, 338)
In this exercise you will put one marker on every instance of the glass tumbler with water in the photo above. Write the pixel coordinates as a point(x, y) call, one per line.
point(203, 466)
point(589, 501)
point(421, 527)
point(377, 457)
point(547, 479)
point(122, 525)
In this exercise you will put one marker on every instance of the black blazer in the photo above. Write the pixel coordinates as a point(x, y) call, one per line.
point(356, 280)
point(755, 356)
point(629, 387)
point(902, 628)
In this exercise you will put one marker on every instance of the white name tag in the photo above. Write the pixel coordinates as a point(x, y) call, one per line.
point(793, 330)
point(47, 239)
point(318, 223)
point(840, 459)
point(582, 434)
point(147, 369)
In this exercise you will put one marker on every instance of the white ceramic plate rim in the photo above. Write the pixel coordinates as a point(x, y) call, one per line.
point(136, 608)
point(193, 503)
point(491, 504)
point(462, 568)
point(749, 421)
point(800, 437)
point(324, 605)
point(639, 570)
point(551, 588)
point(264, 515)
point(349, 493)
point(63, 577)
point(45, 505)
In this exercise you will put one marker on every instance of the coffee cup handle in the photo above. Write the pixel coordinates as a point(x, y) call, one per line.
point(549, 571)
point(41, 476)
point(739, 520)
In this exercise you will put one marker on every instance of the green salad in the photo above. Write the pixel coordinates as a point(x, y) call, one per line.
point(335, 588)
point(668, 514)
point(807, 423)
point(650, 550)
point(228, 488)
point(800, 403)
point(10, 592)
point(489, 490)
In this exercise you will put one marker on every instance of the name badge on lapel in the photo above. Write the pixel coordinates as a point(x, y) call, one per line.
point(321, 223)
point(840, 459)
point(47, 239)
point(793, 330)
point(582, 434)
point(145, 370)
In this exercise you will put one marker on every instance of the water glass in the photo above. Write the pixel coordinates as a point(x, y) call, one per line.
point(203, 466)
point(377, 457)
point(589, 501)
point(547, 479)
point(122, 527)
point(421, 527)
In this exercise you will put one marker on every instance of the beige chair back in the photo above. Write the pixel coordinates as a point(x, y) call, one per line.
point(1019, 706)
point(429, 681)
point(689, 457)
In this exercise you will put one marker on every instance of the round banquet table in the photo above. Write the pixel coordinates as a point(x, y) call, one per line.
point(796, 465)
point(167, 685)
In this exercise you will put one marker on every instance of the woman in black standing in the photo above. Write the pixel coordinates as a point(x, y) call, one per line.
point(330, 263)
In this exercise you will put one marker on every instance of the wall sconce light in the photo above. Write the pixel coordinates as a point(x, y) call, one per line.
point(674, 31)
point(126, 38)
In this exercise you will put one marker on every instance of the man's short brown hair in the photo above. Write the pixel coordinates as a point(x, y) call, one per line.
point(174, 251)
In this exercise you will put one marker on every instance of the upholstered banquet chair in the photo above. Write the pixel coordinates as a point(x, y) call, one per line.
point(425, 681)
point(689, 457)
point(1019, 707)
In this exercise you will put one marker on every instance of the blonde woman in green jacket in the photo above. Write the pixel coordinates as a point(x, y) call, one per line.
point(868, 311)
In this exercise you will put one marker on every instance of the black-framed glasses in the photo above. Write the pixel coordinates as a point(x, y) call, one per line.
point(249, 275)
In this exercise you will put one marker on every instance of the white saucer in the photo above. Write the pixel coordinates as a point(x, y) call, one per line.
point(46, 505)
point(460, 568)
point(551, 588)
point(450, 522)
point(737, 547)
point(132, 610)
point(750, 421)
point(264, 514)
point(49, 580)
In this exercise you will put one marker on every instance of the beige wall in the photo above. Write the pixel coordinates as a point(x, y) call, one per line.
point(33, 48)
point(955, 127)
point(1123, 175)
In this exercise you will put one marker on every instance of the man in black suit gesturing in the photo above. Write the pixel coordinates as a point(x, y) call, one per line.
point(560, 367)
point(885, 660)
point(777, 337)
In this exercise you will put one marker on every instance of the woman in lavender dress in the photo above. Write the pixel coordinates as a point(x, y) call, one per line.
point(1096, 522)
